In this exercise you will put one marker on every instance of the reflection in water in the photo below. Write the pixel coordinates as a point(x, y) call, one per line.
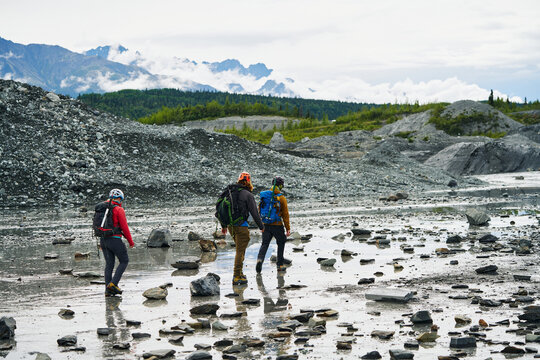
point(243, 323)
point(114, 318)
point(269, 305)
point(189, 272)
point(207, 257)
point(154, 303)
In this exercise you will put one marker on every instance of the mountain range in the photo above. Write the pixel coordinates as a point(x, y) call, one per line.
point(114, 67)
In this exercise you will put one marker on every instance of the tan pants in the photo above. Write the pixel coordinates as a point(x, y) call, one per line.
point(241, 239)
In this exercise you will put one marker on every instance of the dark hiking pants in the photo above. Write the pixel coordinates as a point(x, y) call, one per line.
point(277, 231)
point(114, 248)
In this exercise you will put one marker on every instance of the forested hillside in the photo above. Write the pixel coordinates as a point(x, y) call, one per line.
point(136, 104)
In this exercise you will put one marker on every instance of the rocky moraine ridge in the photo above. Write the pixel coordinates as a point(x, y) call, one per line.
point(56, 150)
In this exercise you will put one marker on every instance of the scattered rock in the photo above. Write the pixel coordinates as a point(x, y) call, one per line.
point(362, 232)
point(199, 355)
point(140, 335)
point(462, 342)
point(421, 317)
point(159, 238)
point(488, 239)
point(205, 309)
point(122, 346)
point(50, 256)
point(68, 340)
point(205, 286)
point(7, 327)
point(219, 326)
point(512, 350)
point(488, 270)
point(372, 355)
point(187, 263)
point(63, 241)
point(428, 337)
point(235, 349)
point(462, 319)
point(477, 217)
point(66, 313)
point(381, 334)
point(207, 245)
point(104, 331)
point(82, 255)
point(193, 236)
point(454, 239)
point(389, 294)
point(397, 354)
point(328, 262)
point(365, 281)
point(156, 293)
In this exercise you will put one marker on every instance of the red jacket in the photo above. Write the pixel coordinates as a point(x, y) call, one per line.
point(120, 221)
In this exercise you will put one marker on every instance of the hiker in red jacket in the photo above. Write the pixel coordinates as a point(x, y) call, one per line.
point(112, 246)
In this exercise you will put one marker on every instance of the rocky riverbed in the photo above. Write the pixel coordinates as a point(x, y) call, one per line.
point(479, 291)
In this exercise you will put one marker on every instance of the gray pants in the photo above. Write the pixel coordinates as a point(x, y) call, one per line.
point(114, 248)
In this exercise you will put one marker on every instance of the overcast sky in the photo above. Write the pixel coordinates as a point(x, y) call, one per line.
point(418, 47)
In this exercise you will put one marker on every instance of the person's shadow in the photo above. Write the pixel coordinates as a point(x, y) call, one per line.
point(269, 305)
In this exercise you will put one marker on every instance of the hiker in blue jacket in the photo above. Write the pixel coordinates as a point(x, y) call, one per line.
point(275, 216)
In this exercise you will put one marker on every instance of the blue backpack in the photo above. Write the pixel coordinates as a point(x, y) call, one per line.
point(269, 207)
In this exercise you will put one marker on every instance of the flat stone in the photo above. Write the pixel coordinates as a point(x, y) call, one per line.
point(532, 338)
point(199, 355)
point(341, 345)
point(66, 271)
point(66, 313)
point(512, 350)
point(399, 354)
point(389, 294)
point(520, 277)
point(202, 346)
point(287, 357)
point(63, 241)
point(68, 340)
point(371, 355)
point(489, 269)
point(159, 354)
point(42, 356)
point(104, 331)
point(176, 339)
point(50, 256)
point(187, 263)
point(133, 323)
point(462, 342)
point(381, 334)
point(223, 342)
point(454, 239)
point(140, 335)
point(488, 239)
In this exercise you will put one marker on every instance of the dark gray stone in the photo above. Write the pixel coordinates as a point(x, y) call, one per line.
point(187, 263)
point(489, 269)
point(421, 317)
point(372, 355)
point(454, 239)
point(488, 239)
point(477, 217)
point(462, 342)
point(399, 354)
point(7, 327)
point(357, 231)
point(193, 236)
point(205, 286)
point(68, 340)
point(235, 349)
point(199, 355)
point(159, 238)
point(205, 309)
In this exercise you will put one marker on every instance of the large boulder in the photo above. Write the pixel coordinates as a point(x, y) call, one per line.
point(159, 238)
point(278, 142)
point(7, 327)
point(477, 217)
point(500, 156)
point(205, 286)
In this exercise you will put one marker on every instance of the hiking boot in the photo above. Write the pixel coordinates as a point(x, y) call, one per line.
point(258, 267)
point(115, 290)
point(239, 280)
point(281, 268)
point(108, 292)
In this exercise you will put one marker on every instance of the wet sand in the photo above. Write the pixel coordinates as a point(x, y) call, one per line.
point(33, 292)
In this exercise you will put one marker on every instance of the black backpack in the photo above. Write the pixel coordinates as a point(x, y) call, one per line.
point(228, 210)
point(103, 220)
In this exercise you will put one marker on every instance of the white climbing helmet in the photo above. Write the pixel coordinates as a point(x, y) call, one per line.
point(116, 193)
